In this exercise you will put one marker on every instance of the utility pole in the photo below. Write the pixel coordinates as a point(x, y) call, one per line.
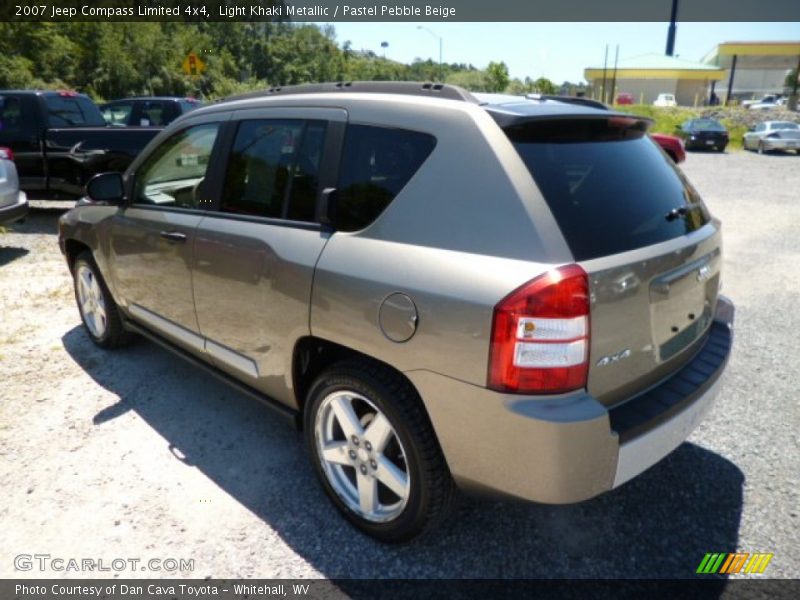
point(614, 77)
point(671, 33)
point(603, 88)
point(438, 37)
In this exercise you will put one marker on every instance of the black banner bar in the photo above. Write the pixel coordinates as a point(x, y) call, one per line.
point(399, 11)
point(312, 589)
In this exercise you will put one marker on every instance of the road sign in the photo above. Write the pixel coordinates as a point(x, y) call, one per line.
point(193, 65)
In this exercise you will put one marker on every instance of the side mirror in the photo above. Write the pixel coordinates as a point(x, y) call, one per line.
point(326, 207)
point(106, 188)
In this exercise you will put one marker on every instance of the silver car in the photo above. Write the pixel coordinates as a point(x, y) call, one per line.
point(518, 297)
point(773, 135)
point(13, 201)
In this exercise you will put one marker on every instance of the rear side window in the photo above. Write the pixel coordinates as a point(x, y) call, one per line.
point(607, 184)
point(72, 111)
point(377, 163)
point(273, 170)
point(13, 117)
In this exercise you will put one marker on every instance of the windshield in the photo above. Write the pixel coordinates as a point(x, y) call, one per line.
point(607, 184)
point(785, 125)
point(707, 125)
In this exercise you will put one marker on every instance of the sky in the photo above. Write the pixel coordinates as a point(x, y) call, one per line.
point(558, 51)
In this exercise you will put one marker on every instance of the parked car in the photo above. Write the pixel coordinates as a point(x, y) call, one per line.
point(13, 202)
point(672, 145)
point(520, 297)
point(703, 133)
point(766, 101)
point(147, 111)
point(625, 98)
point(773, 135)
point(60, 139)
point(664, 100)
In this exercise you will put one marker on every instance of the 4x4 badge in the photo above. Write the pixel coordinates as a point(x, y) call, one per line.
point(612, 358)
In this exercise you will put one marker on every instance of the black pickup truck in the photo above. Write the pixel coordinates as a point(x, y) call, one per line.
point(60, 140)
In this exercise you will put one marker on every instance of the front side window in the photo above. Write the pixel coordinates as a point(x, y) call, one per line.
point(377, 162)
point(172, 175)
point(117, 114)
point(156, 114)
point(273, 169)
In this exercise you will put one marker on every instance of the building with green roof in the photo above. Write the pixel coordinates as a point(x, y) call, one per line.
point(648, 75)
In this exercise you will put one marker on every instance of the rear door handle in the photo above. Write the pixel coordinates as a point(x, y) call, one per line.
point(173, 236)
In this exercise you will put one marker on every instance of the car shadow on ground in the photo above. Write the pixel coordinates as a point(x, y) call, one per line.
point(659, 525)
point(9, 254)
point(39, 220)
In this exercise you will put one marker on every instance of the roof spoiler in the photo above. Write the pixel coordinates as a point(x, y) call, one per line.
point(569, 100)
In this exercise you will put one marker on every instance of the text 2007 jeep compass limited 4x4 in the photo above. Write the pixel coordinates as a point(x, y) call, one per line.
point(520, 297)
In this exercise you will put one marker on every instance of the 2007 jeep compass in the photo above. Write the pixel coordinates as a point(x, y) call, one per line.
point(519, 296)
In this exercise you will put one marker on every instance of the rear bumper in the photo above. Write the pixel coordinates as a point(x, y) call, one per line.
point(699, 143)
point(565, 449)
point(16, 211)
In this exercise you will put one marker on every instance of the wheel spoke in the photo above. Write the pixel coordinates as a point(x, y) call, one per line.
point(86, 307)
point(86, 281)
point(367, 493)
point(346, 416)
point(378, 432)
point(336, 452)
point(100, 309)
point(392, 477)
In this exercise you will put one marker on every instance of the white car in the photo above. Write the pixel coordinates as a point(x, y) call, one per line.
point(13, 201)
point(665, 100)
point(773, 135)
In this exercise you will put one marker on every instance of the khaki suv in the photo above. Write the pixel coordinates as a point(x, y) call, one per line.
point(519, 297)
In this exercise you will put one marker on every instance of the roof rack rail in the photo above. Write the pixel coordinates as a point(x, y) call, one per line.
point(407, 88)
point(569, 100)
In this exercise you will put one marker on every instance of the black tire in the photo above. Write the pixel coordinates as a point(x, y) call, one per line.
point(114, 334)
point(761, 149)
point(432, 491)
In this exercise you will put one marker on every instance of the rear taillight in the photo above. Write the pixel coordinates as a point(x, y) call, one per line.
point(540, 335)
point(6, 153)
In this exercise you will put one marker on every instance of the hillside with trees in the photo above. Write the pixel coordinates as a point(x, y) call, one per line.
point(113, 60)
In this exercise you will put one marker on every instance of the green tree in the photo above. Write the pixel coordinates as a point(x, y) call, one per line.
point(544, 86)
point(496, 77)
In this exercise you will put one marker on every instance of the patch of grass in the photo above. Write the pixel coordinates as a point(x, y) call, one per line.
point(736, 119)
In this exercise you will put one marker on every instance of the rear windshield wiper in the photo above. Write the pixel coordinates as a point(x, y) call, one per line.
point(680, 211)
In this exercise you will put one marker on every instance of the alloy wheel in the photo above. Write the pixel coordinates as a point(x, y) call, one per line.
point(362, 456)
point(91, 302)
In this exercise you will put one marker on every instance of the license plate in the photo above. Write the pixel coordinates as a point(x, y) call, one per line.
point(710, 142)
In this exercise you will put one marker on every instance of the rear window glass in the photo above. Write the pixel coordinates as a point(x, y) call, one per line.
point(607, 184)
point(73, 111)
point(377, 163)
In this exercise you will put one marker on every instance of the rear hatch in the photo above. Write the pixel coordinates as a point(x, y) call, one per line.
point(640, 231)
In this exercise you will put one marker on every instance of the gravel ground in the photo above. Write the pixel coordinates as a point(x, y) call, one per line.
point(134, 454)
